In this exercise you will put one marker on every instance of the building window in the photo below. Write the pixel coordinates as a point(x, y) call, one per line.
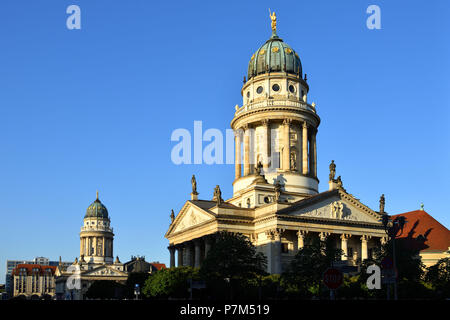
point(259, 90)
point(276, 87)
point(292, 88)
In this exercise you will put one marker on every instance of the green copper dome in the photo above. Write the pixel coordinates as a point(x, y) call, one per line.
point(274, 56)
point(97, 210)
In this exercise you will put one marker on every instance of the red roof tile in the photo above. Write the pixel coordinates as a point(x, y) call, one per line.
point(30, 267)
point(159, 266)
point(420, 223)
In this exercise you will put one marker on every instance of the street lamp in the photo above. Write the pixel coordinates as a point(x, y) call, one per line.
point(393, 229)
point(137, 291)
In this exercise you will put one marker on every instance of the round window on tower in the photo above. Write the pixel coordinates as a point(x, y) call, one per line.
point(276, 87)
point(292, 88)
point(259, 90)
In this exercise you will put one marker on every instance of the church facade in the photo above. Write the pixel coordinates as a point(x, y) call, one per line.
point(96, 257)
point(276, 200)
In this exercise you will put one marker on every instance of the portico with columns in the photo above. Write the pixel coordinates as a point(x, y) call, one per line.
point(276, 200)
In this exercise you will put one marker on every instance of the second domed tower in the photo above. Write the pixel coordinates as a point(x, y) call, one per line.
point(275, 127)
point(96, 236)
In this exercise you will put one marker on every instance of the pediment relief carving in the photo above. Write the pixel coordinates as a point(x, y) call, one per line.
point(191, 218)
point(337, 209)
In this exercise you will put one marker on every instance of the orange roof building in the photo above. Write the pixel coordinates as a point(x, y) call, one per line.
point(435, 238)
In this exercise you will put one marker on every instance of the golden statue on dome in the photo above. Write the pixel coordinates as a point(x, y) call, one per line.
point(273, 17)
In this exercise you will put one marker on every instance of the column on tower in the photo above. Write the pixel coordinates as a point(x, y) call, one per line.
point(305, 148)
point(286, 150)
point(313, 153)
point(237, 164)
point(246, 150)
point(265, 144)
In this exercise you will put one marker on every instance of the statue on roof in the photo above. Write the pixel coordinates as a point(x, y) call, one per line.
point(258, 168)
point(277, 191)
point(382, 203)
point(332, 170)
point(172, 216)
point(217, 195)
point(339, 182)
point(194, 185)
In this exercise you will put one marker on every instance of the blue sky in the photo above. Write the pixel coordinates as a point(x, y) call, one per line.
point(89, 109)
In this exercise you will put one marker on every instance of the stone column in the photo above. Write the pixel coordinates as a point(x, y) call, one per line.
point(197, 254)
point(172, 256)
point(344, 241)
point(311, 153)
point(274, 265)
point(180, 255)
point(207, 245)
point(301, 234)
point(237, 163)
point(305, 148)
point(81, 246)
point(188, 255)
point(265, 146)
point(104, 246)
point(246, 150)
point(364, 253)
point(287, 148)
point(314, 152)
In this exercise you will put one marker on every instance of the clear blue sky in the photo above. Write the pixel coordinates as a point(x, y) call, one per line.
point(89, 109)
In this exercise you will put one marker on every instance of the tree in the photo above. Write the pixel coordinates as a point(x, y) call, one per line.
point(232, 260)
point(133, 279)
point(438, 276)
point(172, 282)
point(304, 275)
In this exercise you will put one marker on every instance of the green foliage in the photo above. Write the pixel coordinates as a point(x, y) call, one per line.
point(438, 276)
point(304, 276)
point(172, 282)
point(133, 279)
point(233, 256)
point(233, 267)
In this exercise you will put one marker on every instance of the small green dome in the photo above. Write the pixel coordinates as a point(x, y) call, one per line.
point(97, 210)
point(274, 56)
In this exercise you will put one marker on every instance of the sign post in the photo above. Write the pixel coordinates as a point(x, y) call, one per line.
point(333, 279)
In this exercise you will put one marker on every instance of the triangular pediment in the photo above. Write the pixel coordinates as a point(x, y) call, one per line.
point(335, 206)
point(104, 270)
point(190, 215)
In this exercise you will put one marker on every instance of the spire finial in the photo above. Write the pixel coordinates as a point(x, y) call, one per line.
point(97, 194)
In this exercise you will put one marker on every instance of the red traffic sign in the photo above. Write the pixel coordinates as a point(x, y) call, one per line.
point(387, 263)
point(333, 278)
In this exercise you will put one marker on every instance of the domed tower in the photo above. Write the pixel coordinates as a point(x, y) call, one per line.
point(96, 236)
point(275, 127)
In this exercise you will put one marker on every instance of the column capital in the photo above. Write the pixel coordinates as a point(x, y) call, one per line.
point(345, 236)
point(384, 240)
point(365, 237)
point(324, 235)
point(275, 233)
point(265, 122)
point(305, 125)
point(302, 233)
point(287, 121)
